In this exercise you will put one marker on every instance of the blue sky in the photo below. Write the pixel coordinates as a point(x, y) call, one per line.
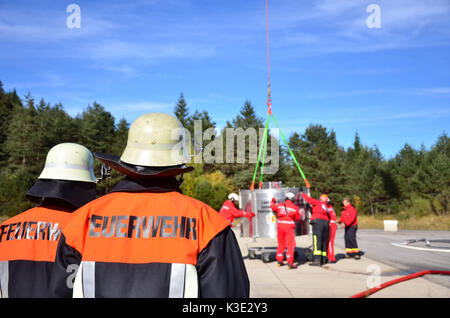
point(391, 84)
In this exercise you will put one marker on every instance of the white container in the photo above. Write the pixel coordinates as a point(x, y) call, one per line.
point(390, 225)
point(258, 201)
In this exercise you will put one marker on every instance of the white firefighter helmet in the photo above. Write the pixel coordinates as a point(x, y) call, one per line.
point(233, 197)
point(156, 140)
point(290, 196)
point(69, 161)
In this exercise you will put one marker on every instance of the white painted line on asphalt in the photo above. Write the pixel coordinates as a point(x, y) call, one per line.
point(421, 248)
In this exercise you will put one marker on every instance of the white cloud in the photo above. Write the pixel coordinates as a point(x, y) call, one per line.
point(330, 26)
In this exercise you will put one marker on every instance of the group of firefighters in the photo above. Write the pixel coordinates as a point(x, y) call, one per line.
point(323, 221)
point(144, 238)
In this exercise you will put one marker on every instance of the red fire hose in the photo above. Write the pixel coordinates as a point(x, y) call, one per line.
point(398, 280)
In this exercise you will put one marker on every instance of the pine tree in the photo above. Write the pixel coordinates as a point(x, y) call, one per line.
point(97, 129)
point(9, 101)
point(181, 111)
point(21, 141)
point(121, 136)
point(321, 160)
point(245, 122)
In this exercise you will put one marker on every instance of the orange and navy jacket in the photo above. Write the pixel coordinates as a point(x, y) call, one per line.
point(142, 241)
point(349, 216)
point(319, 208)
point(332, 214)
point(229, 211)
point(28, 243)
point(287, 213)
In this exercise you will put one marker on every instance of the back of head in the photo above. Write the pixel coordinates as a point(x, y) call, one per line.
point(156, 147)
point(156, 140)
point(68, 177)
point(233, 197)
point(324, 198)
point(290, 196)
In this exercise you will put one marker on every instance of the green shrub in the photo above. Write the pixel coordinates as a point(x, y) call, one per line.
point(12, 191)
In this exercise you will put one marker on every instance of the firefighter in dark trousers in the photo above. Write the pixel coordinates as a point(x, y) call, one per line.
point(320, 223)
point(332, 235)
point(28, 241)
point(287, 213)
point(229, 210)
point(349, 217)
point(145, 238)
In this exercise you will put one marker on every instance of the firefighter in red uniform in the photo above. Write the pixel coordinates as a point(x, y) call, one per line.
point(287, 213)
point(349, 217)
point(331, 237)
point(145, 239)
point(229, 210)
point(319, 221)
point(28, 241)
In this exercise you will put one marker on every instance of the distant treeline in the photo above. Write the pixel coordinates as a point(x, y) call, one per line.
point(415, 182)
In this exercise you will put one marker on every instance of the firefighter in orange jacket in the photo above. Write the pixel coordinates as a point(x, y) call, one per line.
point(320, 223)
point(332, 234)
point(145, 238)
point(287, 213)
point(28, 241)
point(349, 217)
point(229, 210)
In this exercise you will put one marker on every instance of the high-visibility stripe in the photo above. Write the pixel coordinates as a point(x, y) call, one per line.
point(54, 165)
point(286, 222)
point(324, 254)
point(315, 244)
point(352, 250)
point(191, 282)
point(177, 280)
point(316, 251)
point(88, 276)
point(78, 283)
point(4, 279)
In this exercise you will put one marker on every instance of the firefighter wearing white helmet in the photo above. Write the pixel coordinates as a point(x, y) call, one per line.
point(28, 240)
point(290, 196)
point(233, 197)
point(287, 213)
point(146, 230)
point(229, 210)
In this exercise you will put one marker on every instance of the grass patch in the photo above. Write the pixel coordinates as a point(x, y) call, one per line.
point(429, 222)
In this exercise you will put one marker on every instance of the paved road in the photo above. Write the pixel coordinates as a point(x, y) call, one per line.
point(377, 245)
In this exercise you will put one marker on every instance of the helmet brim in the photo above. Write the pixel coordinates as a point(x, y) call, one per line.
point(137, 172)
point(76, 193)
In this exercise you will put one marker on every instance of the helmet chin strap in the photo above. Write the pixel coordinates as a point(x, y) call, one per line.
point(180, 180)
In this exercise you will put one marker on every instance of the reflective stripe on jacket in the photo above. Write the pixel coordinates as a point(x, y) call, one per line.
point(287, 212)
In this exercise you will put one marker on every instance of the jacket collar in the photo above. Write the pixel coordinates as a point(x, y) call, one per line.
point(156, 185)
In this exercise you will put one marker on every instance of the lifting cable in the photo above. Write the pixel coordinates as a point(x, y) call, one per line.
point(263, 145)
point(398, 280)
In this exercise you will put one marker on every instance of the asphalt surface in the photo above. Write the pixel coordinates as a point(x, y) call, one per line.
point(346, 277)
point(378, 245)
